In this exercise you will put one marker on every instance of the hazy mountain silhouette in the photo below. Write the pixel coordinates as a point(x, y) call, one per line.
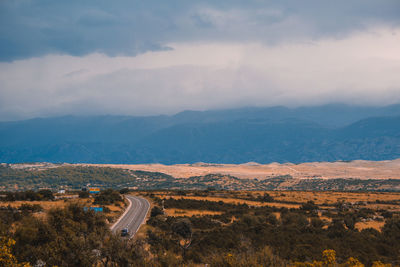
point(324, 133)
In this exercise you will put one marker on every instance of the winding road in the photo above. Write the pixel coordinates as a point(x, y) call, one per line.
point(133, 216)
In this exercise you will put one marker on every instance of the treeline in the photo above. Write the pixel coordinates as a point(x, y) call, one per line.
point(201, 204)
point(28, 195)
point(76, 177)
point(72, 176)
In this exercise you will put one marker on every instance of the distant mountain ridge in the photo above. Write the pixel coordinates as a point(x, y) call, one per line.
point(264, 135)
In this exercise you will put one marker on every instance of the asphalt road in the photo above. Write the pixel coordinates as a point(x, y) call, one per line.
point(133, 216)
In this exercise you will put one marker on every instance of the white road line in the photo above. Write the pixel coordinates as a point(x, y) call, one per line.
point(123, 215)
point(144, 218)
point(135, 211)
point(138, 207)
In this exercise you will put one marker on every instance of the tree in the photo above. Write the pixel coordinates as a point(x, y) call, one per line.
point(83, 194)
point(329, 257)
point(352, 262)
point(350, 221)
point(309, 206)
point(107, 197)
point(329, 260)
point(183, 228)
point(156, 211)
point(6, 256)
point(46, 194)
point(380, 264)
point(266, 198)
point(124, 191)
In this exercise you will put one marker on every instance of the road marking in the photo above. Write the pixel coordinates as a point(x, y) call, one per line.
point(134, 211)
point(123, 215)
point(147, 202)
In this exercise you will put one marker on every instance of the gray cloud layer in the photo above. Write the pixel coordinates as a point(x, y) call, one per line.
point(31, 28)
point(150, 57)
point(360, 69)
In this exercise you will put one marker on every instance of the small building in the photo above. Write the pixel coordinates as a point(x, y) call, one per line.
point(94, 190)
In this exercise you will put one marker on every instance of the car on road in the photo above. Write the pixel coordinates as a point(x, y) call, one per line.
point(125, 232)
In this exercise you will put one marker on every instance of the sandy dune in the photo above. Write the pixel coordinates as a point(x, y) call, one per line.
point(360, 169)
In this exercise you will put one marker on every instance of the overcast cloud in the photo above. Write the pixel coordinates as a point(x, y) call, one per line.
point(151, 57)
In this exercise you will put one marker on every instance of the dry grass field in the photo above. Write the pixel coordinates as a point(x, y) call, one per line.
point(367, 199)
point(234, 201)
point(373, 224)
point(326, 201)
point(114, 212)
point(181, 212)
point(47, 205)
point(328, 197)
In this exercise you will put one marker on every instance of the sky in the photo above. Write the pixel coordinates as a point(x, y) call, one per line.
point(130, 57)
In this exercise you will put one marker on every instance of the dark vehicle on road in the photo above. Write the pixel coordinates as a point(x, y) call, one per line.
point(124, 232)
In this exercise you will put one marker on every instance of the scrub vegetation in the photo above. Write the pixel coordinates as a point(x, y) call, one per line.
point(197, 227)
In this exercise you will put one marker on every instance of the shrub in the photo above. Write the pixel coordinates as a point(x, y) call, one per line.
point(107, 197)
point(156, 211)
point(83, 194)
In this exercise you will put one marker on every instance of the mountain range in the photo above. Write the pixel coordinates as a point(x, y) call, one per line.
point(271, 134)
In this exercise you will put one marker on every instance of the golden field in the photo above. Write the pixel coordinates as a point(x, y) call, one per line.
point(292, 199)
